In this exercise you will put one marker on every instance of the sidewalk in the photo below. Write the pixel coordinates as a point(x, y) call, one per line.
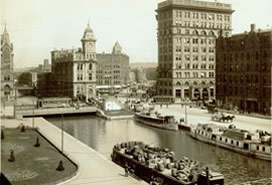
point(93, 167)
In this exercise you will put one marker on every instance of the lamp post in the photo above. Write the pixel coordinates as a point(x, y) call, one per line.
point(62, 133)
point(33, 114)
point(186, 100)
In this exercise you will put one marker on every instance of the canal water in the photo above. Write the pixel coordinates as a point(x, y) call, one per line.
point(102, 135)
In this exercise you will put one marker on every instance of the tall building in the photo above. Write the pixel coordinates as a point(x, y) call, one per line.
point(7, 78)
point(46, 66)
point(187, 31)
point(243, 71)
point(75, 69)
point(113, 68)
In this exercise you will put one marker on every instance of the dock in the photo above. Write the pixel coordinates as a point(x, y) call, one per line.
point(93, 168)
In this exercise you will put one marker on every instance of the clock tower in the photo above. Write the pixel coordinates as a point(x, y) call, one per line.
point(88, 44)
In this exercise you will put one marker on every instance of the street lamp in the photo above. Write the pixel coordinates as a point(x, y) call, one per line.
point(62, 133)
point(186, 100)
point(33, 114)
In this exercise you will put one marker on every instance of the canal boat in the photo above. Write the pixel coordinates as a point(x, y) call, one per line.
point(183, 125)
point(257, 145)
point(156, 120)
point(153, 164)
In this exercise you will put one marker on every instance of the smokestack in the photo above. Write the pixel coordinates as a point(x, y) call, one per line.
point(253, 27)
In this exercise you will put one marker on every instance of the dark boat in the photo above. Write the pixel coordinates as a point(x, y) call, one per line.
point(149, 163)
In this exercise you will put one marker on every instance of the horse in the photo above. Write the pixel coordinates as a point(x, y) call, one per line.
point(230, 117)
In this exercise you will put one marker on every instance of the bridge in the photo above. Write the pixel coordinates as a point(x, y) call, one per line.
point(29, 111)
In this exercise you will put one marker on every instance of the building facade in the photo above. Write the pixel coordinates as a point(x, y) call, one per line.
point(243, 71)
point(46, 66)
point(187, 31)
point(75, 69)
point(113, 68)
point(7, 78)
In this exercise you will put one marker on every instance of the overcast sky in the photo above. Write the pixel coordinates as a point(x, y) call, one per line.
point(38, 26)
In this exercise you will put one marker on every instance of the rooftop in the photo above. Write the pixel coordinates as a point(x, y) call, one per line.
point(193, 3)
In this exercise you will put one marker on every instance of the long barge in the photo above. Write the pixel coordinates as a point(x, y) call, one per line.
point(257, 145)
point(149, 163)
point(156, 120)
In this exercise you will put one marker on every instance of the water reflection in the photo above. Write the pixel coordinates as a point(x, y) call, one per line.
point(102, 135)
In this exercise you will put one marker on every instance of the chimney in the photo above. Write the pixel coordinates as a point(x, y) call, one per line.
point(253, 27)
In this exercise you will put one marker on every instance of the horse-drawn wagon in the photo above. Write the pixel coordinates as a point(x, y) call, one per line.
point(222, 117)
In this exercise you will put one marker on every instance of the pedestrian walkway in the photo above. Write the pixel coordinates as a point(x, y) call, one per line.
point(93, 168)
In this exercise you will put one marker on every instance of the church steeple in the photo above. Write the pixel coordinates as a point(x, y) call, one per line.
point(5, 37)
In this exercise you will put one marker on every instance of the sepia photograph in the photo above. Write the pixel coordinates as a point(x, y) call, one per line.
point(136, 92)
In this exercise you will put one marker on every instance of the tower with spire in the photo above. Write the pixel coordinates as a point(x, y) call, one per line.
point(7, 80)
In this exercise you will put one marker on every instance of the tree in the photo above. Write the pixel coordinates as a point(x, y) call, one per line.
point(25, 79)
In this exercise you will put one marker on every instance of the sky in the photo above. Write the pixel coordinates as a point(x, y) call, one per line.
point(36, 27)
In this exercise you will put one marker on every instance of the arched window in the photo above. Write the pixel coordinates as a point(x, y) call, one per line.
point(90, 66)
point(187, 83)
point(203, 33)
point(195, 32)
point(211, 33)
point(178, 84)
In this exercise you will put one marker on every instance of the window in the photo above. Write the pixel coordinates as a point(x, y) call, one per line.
point(263, 149)
point(211, 49)
point(90, 66)
point(237, 143)
point(186, 49)
point(195, 40)
point(257, 147)
point(90, 76)
point(203, 41)
point(226, 140)
point(187, 40)
point(195, 57)
point(195, 49)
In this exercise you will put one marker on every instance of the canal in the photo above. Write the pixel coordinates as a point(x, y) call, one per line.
point(102, 135)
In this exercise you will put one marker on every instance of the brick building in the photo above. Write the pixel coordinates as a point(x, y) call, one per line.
point(243, 71)
point(112, 68)
point(187, 31)
point(75, 69)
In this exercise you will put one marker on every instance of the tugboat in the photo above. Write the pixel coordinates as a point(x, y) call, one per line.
point(257, 145)
point(156, 120)
point(149, 163)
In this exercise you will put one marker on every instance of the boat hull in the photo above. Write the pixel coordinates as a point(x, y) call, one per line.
point(145, 173)
point(168, 126)
point(232, 148)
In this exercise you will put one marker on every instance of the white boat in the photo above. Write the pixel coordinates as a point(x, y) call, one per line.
point(256, 145)
point(156, 120)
